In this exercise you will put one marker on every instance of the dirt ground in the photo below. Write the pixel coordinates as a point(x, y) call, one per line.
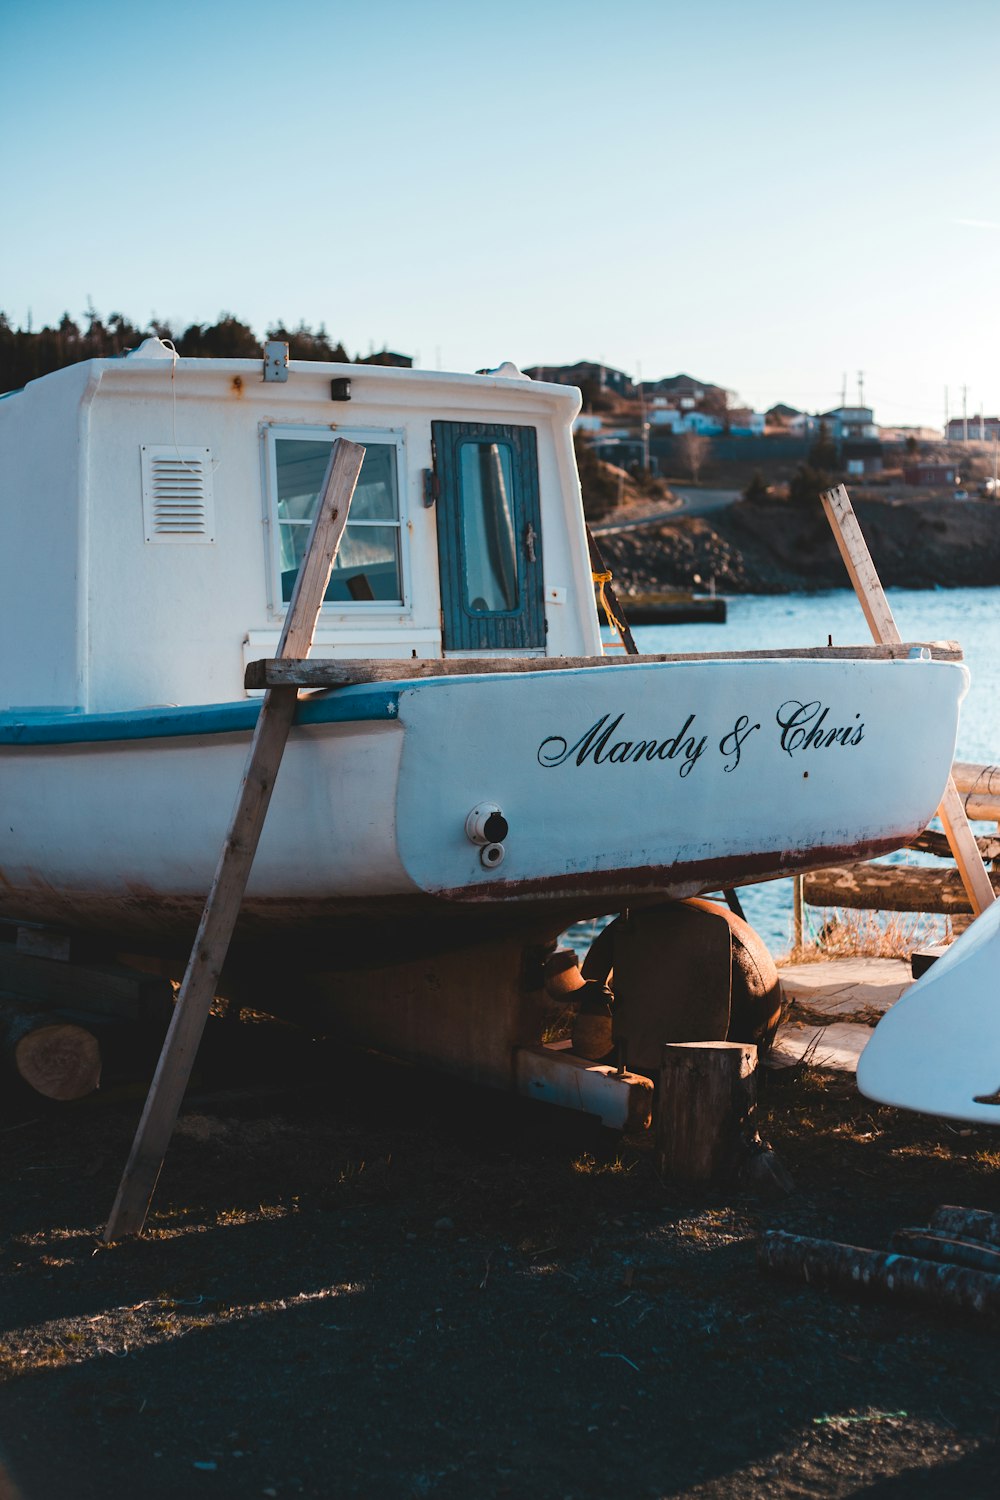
point(362, 1280)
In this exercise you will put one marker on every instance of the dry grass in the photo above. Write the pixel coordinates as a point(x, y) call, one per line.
point(847, 933)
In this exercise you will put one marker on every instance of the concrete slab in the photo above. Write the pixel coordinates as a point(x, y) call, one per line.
point(845, 989)
point(836, 1047)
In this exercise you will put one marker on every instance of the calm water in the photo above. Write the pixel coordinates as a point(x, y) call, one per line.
point(969, 616)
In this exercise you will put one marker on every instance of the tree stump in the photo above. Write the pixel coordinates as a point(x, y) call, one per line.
point(706, 1113)
point(55, 1056)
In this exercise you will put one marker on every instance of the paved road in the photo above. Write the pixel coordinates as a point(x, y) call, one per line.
point(692, 503)
point(699, 502)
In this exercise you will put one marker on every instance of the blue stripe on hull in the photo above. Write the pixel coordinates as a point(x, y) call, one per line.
point(346, 706)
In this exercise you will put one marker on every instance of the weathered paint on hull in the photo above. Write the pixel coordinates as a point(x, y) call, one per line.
point(641, 783)
point(343, 929)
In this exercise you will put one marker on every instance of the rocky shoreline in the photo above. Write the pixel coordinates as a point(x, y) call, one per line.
point(775, 546)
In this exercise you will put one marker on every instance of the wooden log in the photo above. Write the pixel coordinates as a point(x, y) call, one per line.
point(706, 1112)
point(825, 1263)
point(979, 788)
point(928, 1244)
point(52, 1054)
point(325, 673)
point(225, 897)
point(968, 1223)
point(871, 596)
point(875, 887)
point(973, 778)
point(930, 842)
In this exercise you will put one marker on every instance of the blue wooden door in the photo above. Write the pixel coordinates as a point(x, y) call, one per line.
point(489, 531)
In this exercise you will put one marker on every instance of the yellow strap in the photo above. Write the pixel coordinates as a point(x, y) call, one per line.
point(601, 579)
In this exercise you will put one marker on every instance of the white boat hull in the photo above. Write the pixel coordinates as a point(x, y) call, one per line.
point(639, 782)
point(938, 1049)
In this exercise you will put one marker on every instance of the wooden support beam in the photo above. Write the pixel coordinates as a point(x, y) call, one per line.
point(326, 673)
point(871, 596)
point(233, 870)
point(104, 989)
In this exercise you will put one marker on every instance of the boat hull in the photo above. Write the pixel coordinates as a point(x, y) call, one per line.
point(633, 783)
point(937, 1050)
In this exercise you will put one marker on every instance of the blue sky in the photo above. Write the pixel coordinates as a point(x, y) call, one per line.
point(764, 194)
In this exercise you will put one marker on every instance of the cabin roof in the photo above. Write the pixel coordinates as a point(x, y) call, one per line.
point(505, 385)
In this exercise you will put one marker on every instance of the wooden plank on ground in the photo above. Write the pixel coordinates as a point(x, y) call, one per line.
point(233, 870)
point(327, 673)
point(871, 595)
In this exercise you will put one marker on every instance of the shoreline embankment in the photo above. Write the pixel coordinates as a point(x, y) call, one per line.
point(776, 546)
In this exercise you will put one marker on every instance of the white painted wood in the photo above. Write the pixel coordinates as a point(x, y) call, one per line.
point(552, 1075)
point(114, 818)
point(71, 493)
point(867, 586)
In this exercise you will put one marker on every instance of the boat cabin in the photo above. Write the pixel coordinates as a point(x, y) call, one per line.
point(155, 511)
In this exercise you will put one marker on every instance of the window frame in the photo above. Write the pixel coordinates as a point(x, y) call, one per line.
point(271, 434)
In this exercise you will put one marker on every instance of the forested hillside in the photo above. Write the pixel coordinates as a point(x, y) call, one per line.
point(26, 353)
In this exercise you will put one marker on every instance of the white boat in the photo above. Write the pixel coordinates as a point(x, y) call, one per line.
point(152, 517)
point(937, 1050)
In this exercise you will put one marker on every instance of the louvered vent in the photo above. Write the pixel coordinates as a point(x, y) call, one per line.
point(177, 500)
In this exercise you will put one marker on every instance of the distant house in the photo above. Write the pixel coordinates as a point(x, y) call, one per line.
point(903, 434)
point(746, 423)
point(980, 429)
point(930, 473)
point(585, 372)
point(386, 357)
point(700, 421)
point(861, 456)
point(848, 422)
point(798, 423)
point(687, 393)
point(624, 452)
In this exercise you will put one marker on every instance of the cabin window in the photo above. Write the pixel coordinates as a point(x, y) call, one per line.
point(368, 569)
point(486, 490)
point(489, 536)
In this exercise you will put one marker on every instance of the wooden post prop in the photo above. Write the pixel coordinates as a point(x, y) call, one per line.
point(233, 870)
point(871, 596)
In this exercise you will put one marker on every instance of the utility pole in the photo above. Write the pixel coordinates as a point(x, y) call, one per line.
point(861, 388)
point(643, 424)
point(965, 415)
point(843, 391)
